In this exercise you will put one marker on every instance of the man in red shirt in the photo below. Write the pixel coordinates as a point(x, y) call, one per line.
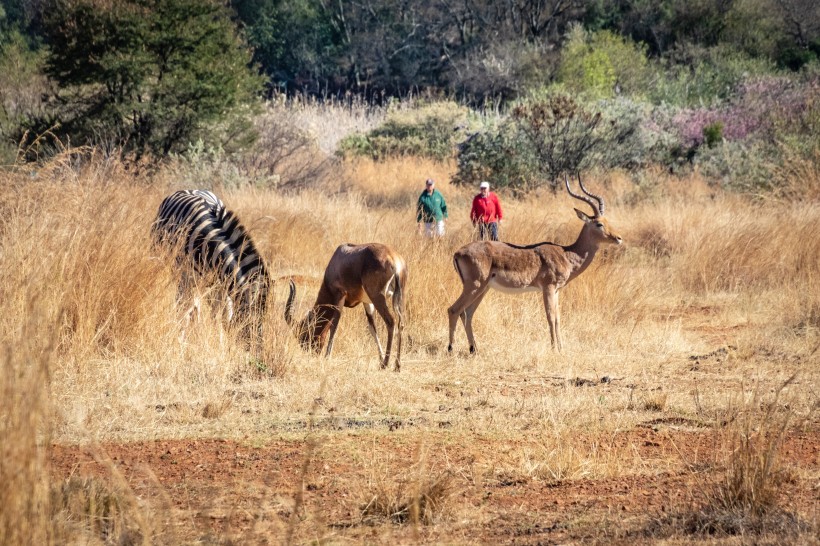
point(486, 212)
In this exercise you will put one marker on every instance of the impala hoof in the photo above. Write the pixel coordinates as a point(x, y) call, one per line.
point(472, 349)
point(449, 348)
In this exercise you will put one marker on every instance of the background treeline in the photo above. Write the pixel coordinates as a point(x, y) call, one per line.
point(517, 91)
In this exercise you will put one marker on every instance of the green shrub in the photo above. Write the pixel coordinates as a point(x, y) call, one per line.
point(603, 64)
point(694, 76)
point(739, 166)
point(553, 134)
point(430, 131)
point(713, 134)
point(498, 154)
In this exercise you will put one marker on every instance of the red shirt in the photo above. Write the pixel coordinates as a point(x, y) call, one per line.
point(486, 209)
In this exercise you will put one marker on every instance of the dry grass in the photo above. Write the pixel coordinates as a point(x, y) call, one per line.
point(741, 494)
point(93, 346)
point(406, 494)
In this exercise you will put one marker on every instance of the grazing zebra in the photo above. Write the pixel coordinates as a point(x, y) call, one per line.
point(209, 237)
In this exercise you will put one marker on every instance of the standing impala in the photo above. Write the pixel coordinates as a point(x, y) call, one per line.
point(545, 267)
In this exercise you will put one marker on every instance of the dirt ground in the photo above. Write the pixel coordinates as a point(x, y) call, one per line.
point(315, 488)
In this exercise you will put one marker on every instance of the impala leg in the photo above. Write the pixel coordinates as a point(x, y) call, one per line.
point(459, 309)
point(371, 325)
point(468, 319)
point(553, 316)
point(334, 323)
point(398, 343)
point(381, 306)
point(456, 311)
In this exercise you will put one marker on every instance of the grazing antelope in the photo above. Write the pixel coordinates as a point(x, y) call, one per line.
point(372, 274)
point(547, 267)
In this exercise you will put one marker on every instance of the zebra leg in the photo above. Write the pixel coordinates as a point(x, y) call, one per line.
point(229, 308)
point(185, 293)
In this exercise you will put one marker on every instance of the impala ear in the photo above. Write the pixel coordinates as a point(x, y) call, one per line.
point(583, 216)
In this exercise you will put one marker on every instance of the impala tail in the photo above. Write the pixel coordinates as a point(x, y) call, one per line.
point(399, 279)
point(458, 269)
point(289, 303)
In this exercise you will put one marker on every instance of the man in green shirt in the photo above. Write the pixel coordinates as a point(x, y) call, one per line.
point(431, 210)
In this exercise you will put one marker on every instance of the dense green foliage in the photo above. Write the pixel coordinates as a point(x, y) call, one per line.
point(486, 48)
point(518, 93)
point(144, 74)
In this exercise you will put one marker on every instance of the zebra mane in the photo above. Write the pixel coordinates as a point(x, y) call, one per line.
point(246, 264)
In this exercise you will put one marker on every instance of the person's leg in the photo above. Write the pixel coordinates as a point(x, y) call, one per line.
point(482, 231)
point(428, 229)
point(440, 228)
point(494, 231)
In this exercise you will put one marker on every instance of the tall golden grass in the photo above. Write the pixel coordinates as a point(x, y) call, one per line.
point(94, 345)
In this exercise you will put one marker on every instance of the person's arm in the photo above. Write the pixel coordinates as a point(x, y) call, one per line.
point(498, 207)
point(419, 211)
point(443, 207)
point(474, 211)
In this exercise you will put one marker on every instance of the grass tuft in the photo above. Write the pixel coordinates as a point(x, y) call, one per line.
point(410, 500)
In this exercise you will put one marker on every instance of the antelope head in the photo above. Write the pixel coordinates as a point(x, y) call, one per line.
point(312, 329)
point(595, 226)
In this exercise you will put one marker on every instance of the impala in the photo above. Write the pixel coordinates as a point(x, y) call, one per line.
point(545, 267)
point(372, 274)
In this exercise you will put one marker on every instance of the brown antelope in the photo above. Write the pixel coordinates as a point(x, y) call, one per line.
point(370, 274)
point(547, 267)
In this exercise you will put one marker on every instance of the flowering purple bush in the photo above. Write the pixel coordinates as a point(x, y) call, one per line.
point(760, 107)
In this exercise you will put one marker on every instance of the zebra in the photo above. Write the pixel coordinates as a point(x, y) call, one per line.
point(208, 237)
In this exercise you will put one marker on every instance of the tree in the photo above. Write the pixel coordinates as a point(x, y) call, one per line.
point(148, 75)
point(603, 64)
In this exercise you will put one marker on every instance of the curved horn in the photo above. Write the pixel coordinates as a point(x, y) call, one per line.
point(586, 200)
point(596, 197)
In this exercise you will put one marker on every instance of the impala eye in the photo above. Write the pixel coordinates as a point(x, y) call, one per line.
point(599, 224)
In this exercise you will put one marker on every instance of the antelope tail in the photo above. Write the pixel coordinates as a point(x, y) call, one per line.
point(398, 297)
point(289, 304)
point(458, 269)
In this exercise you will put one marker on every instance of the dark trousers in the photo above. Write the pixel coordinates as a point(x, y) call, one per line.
point(488, 231)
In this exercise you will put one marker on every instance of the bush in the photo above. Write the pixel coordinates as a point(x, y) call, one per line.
point(739, 166)
point(498, 154)
point(692, 76)
point(745, 136)
point(545, 137)
point(282, 157)
point(603, 64)
point(427, 131)
point(713, 134)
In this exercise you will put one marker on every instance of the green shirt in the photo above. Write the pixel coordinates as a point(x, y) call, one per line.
point(431, 207)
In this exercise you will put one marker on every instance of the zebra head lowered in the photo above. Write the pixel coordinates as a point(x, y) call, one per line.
point(210, 241)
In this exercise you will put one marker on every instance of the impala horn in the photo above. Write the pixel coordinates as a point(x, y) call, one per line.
point(587, 200)
point(596, 197)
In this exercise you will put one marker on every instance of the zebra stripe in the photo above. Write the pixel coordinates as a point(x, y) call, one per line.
point(210, 235)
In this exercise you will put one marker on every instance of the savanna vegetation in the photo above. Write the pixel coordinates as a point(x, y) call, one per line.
point(683, 407)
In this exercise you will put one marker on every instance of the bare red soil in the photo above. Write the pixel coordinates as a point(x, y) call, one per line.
point(228, 492)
